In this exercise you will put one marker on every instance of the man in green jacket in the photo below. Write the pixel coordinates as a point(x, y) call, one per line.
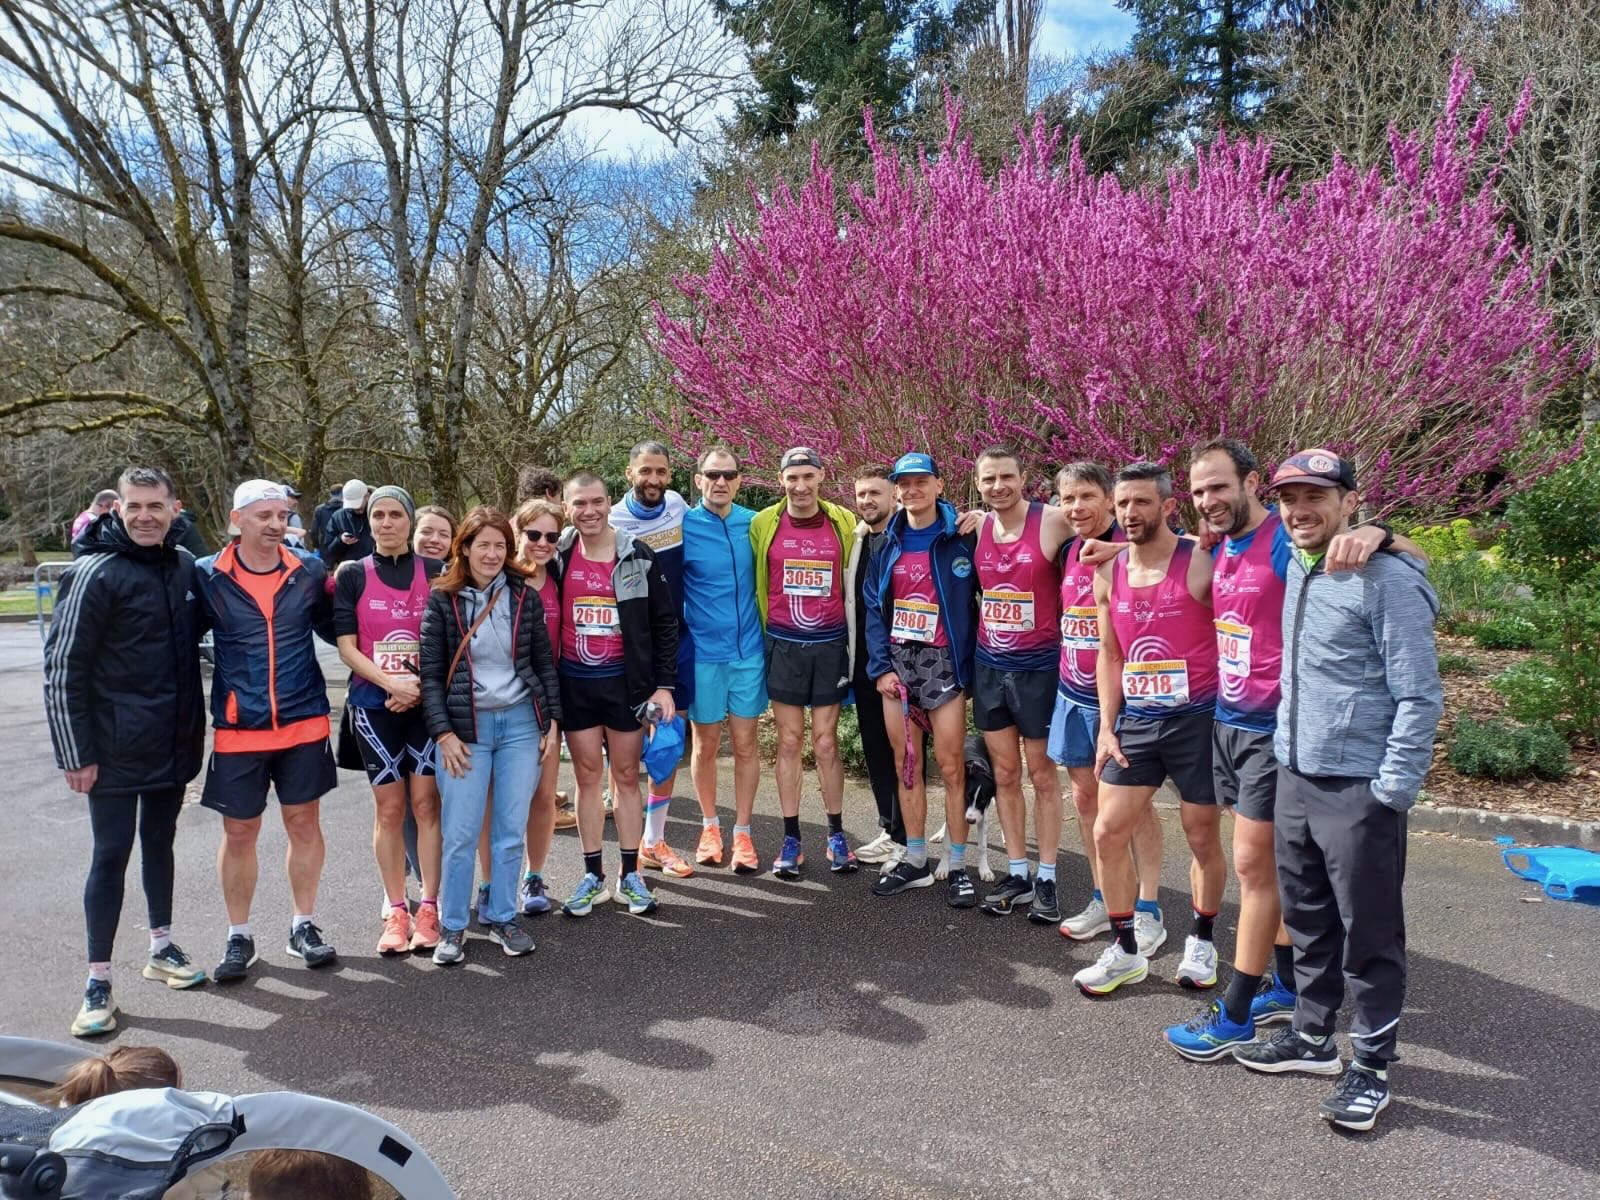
point(804, 552)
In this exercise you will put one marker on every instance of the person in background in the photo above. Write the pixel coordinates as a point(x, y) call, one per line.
point(434, 532)
point(123, 1070)
point(875, 505)
point(98, 507)
point(307, 1175)
point(295, 538)
point(538, 483)
point(322, 518)
point(186, 532)
point(349, 533)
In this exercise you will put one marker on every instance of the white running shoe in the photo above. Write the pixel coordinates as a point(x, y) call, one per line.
point(896, 856)
point(1091, 922)
point(875, 851)
point(1111, 970)
point(1198, 969)
point(1150, 931)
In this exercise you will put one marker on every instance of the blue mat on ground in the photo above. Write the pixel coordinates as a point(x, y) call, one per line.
point(1565, 872)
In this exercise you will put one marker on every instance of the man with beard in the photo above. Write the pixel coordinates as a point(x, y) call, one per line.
point(653, 513)
point(874, 505)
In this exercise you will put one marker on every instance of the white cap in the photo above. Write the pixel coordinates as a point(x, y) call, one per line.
point(355, 493)
point(252, 491)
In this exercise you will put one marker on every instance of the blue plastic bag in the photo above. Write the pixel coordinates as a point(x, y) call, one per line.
point(663, 748)
point(1566, 872)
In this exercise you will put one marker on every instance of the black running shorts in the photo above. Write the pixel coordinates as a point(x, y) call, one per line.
point(1176, 748)
point(1245, 770)
point(1024, 699)
point(928, 672)
point(393, 744)
point(807, 674)
point(237, 781)
point(588, 702)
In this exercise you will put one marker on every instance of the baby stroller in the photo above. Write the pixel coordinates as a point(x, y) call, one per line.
point(136, 1145)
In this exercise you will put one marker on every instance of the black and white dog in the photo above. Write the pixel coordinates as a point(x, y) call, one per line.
point(980, 795)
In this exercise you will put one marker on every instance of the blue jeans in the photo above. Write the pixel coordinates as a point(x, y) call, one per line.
point(508, 753)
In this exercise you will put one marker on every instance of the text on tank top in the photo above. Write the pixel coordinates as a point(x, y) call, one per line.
point(1080, 623)
point(914, 617)
point(591, 631)
point(805, 580)
point(1169, 646)
point(1018, 612)
point(1247, 595)
point(389, 628)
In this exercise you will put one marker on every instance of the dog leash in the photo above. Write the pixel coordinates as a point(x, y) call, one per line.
point(915, 719)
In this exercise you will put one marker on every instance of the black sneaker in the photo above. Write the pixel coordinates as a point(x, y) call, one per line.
point(1286, 1050)
point(237, 959)
point(1045, 910)
point(1357, 1099)
point(903, 878)
point(1013, 890)
point(305, 942)
point(959, 892)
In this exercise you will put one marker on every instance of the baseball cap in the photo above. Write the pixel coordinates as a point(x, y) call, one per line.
point(800, 456)
point(291, 491)
point(253, 491)
point(1319, 468)
point(355, 493)
point(913, 464)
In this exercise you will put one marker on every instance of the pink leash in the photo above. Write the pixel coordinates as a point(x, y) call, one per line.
point(915, 719)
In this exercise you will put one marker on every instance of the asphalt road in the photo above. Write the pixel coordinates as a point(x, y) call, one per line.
point(764, 1039)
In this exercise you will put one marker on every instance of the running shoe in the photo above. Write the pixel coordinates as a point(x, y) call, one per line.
point(480, 906)
point(1091, 922)
point(173, 967)
point(512, 938)
point(877, 850)
point(591, 891)
point(98, 1014)
point(1149, 931)
point(744, 860)
point(535, 899)
point(1045, 909)
point(1209, 1034)
point(632, 892)
point(1111, 970)
point(397, 932)
point(452, 948)
point(305, 943)
point(1013, 890)
point(896, 856)
point(959, 892)
point(708, 853)
point(903, 878)
point(608, 804)
point(841, 859)
point(1273, 1004)
point(566, 812)
point(1357, 1099)
point(1286, 1050)
point(1198, 970)
point(790, 859)
point(426, 933)
point(237, 959)
point(665, 859)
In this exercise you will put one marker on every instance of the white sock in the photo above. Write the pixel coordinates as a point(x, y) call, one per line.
point(100, 971)
point(160, 939)
point(655, 818)
point(299, 920)
point(744, 829)
point(240, 930)
point(710, 823)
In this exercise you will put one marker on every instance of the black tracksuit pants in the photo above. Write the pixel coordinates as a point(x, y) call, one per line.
point(114, 820)
point(882, 770)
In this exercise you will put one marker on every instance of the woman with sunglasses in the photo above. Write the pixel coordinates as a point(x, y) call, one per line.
point(493, 704)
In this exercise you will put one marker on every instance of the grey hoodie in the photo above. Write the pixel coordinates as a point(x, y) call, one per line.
point(1361, 692)
point(495, 682)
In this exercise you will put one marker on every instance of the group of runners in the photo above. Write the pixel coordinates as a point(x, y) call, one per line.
point(1281, 664)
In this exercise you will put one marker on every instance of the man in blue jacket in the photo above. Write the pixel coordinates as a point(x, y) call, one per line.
point(921, 628)
point(730, 672)
point(1360, 704)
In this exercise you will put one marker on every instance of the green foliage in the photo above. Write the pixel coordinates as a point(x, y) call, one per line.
point(1456, 664)
point(1552, 538)
point(1506, 750)
point(850, 751)
point(1561, 686)
point(1511, 629)
point(1471, 583)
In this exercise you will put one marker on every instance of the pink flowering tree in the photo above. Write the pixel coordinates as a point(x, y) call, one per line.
point(1391, 316)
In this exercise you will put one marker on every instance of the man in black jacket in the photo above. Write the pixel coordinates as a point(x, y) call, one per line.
point(322, 518)
point(618, 665)
point(127, 717)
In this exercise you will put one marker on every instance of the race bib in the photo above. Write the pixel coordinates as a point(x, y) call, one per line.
point(914, 621)
point(1157, 684)
point(1080, 628)
point(595, 616)
point(1007, 612)
point(397, 655)
point(807, 577)
point(1233, 649)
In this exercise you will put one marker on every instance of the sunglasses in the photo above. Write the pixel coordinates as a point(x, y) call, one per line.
point(533, 535)
point(720, 475)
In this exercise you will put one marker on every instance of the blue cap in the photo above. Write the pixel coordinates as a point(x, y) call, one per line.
point(913, 464)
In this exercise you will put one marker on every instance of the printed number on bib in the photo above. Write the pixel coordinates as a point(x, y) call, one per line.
point(1233, 649)
point(914, 621)
point(1080, 628)
point(397, 656)
point(595, 616)
point(1157, 684)
point(1007, 612)
point(807, 577)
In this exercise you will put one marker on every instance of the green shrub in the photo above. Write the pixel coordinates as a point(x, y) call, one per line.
point(1456, 664)
point(1552, 536)
point(1508, 630)
point(1561, 686)
point(850, 751)
point(1500, 749)
point(1470, 583)
point(1533, 690)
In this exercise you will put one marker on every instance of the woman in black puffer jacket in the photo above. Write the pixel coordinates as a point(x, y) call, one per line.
point(491, 715)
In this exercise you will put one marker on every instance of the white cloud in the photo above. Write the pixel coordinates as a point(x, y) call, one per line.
point(1072, 27)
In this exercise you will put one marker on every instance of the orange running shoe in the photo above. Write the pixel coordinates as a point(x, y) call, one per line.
point(744, 860)
point(709, 852)
point(426, 933)
point(396, 937)
point(665, 859)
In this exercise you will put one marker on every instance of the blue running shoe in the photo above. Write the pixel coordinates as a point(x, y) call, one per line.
point(1273, 1004)
point(592, 890)
point(534, 897)
point(1209, 1034)
point(632, 892)
point(790, 859)
point(841, 859)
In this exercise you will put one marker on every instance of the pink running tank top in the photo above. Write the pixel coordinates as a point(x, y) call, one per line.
point(1169, 647)
point(1247, 592)
point(1080, 625)
point(389, 628)
point(915, 619)
point(805, 580)
point(591, 634)
point(1018, 607)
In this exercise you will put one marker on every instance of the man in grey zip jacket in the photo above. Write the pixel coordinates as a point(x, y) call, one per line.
point(1361, 700)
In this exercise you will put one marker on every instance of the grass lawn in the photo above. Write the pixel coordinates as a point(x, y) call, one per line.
point(17, 600)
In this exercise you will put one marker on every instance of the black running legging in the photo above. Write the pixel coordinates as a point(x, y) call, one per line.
point(113, 820)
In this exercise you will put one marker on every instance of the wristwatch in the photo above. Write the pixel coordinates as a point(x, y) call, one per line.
point(1388, 535)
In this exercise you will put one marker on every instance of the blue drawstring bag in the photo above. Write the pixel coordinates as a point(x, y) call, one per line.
point(663, 748)
point(1566, 872)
